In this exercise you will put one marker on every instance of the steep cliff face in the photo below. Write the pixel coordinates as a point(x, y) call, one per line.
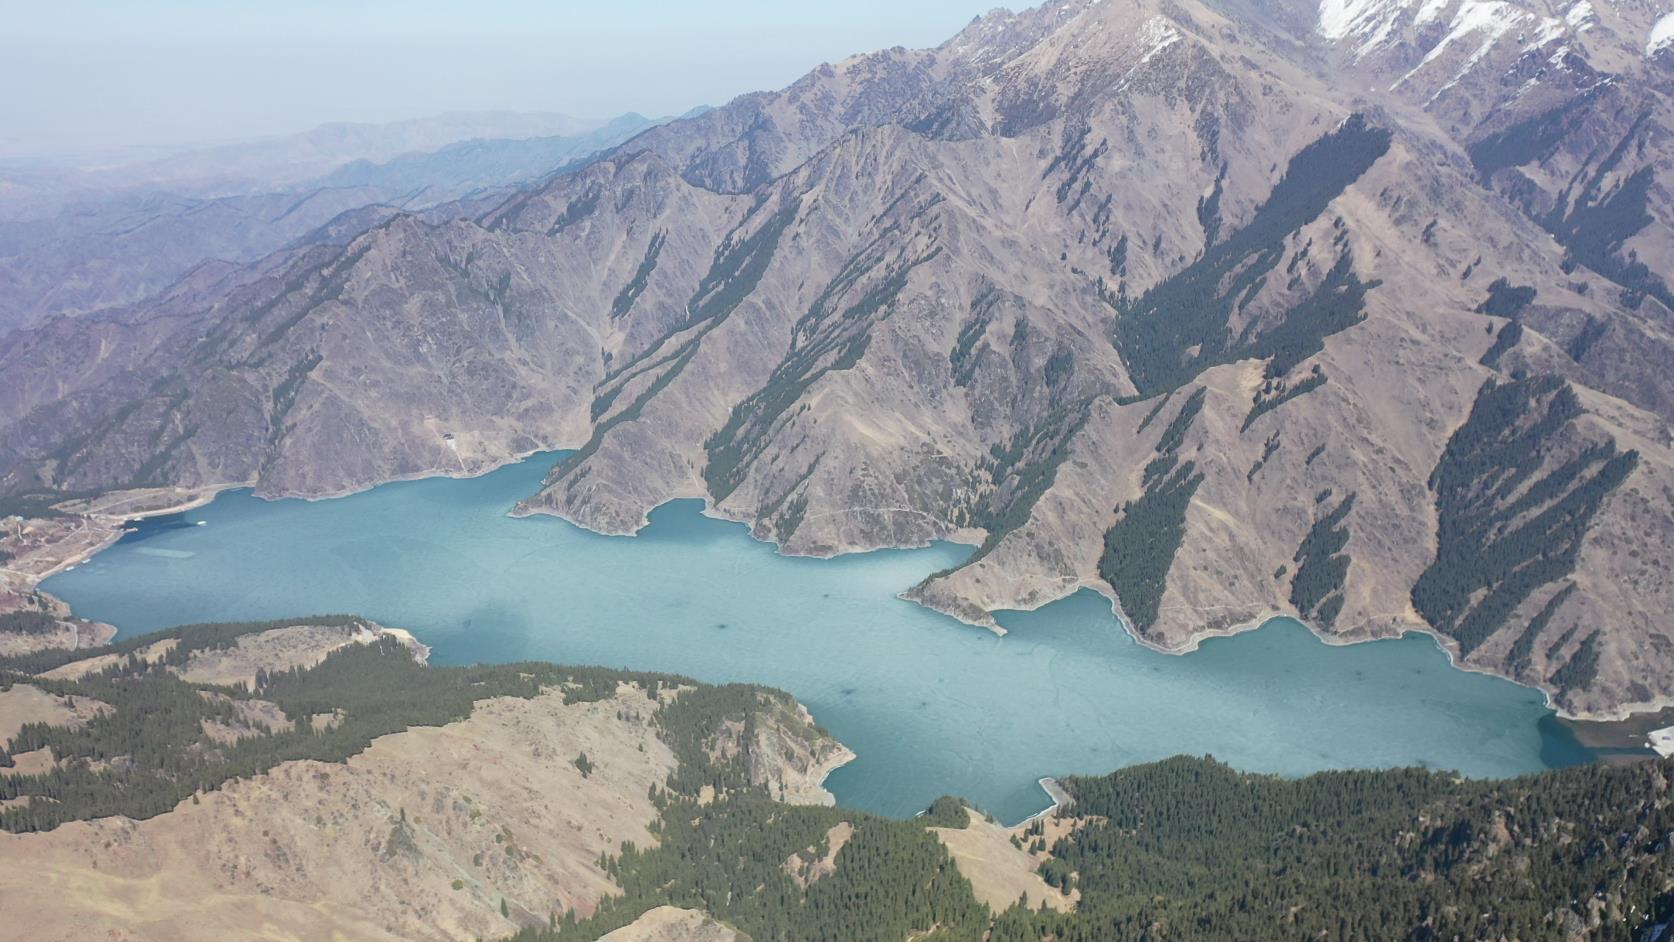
point(1354, 311)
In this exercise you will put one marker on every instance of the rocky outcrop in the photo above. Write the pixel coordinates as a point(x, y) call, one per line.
point(792, 757)
point(785, 752)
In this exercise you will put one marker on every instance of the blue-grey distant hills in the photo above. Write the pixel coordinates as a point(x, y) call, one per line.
point(458, 169)
point(1358, 311)
point(143, 227)
point(30, 189)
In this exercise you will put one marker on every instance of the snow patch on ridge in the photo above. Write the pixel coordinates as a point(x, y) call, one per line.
point(1156, 35)
point(1578, 19)
point(1366, 25)
point(1492, 19)
point(1662, 34)
point(1431, 11)
point(1338, 18)
point(1370, 22)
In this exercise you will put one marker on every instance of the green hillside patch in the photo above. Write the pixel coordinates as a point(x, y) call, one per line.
point(1190, 850)
point(28, 623)
point(1509, 520)
point(1022, 472)
point(1596, 213)
point(1276, 392)
point(966, 354)
point(149, 752)
point(1181, 327)
point(577, 209)
point(893, 880)
point(1506, 299)
point(1507, 338)
point(631, 291)
point(1322, 567)
point(1140, 547)
point(837, 336)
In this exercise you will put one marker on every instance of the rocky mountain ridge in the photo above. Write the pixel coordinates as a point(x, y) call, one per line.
point(1353, 311)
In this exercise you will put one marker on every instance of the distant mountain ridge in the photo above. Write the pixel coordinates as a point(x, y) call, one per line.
point(111, 250)
point(456, 169)
point(1355, 311)
point(270, 163)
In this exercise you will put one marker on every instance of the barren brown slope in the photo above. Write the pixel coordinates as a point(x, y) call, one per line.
point(366, 849)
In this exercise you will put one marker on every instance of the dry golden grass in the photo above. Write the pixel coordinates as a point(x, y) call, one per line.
point(1000, 872)
point(368, 849)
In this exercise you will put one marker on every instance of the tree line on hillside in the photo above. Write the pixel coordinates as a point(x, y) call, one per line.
point(1184, 849)
point(151, 749)
point(1189, 849)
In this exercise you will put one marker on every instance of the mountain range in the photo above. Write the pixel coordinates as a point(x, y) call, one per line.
point(1355, 311)
point(129, 239)
point(31, 187)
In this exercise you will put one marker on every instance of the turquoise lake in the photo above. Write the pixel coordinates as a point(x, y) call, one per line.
point(931, 706)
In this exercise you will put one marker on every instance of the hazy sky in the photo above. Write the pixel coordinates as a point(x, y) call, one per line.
point(85, 76)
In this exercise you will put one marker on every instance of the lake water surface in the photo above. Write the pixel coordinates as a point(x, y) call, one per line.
point(931, 706)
